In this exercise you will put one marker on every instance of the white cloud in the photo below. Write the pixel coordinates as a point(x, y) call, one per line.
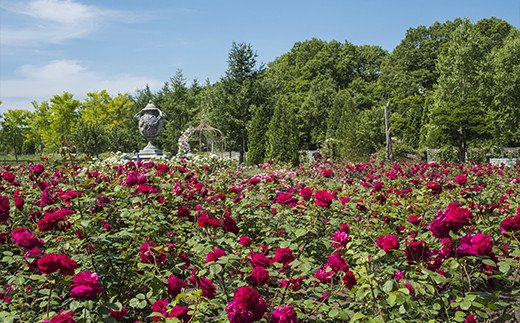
point(54, 21)
point(42, 82)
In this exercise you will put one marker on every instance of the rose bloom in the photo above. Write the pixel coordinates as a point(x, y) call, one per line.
point(175, 285)
point(48, 263)
point(118, 315)
point(55, 220)
point(284, 314)
point(349, 279)
point(214, 254)
point(337, 263)
point(478, 245)
point(205, 284)
point(283, 256)
point(85, 285)
point(388, 242)
point(323, 198)
point(259, 259)
point(246, 306)
point(417, 250)
point(305, 193)
point(245, 241)
point(63, 318)
point(340, 240)
point(461, 179)
point(180, 312)
point(457, 216)
point(4, 208)
point(510, 224)
point(285, 198)
point(323, 275)
point(159, 307)
point(25, 239)
point(259, 276)
point(150, 255)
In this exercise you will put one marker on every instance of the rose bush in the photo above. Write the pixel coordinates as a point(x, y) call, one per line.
point(201, 242)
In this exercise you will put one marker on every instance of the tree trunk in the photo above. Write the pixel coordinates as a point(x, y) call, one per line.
point(242, 150)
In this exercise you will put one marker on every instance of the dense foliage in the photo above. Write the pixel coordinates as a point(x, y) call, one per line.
point(207, 241)
point(450, 85)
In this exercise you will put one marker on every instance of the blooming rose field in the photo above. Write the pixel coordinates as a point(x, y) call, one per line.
point(197, 242)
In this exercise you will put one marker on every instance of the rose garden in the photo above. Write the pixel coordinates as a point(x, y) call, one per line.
point(195, 241)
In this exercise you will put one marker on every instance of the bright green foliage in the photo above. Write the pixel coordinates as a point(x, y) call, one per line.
point(109, 112)
point(458, 123)
point(14, 128)
point(54, 123)
point(256, 148)
point(238, 91)
point(90, 138)
point(179, 103)
point(282, 135)
point(406, 120)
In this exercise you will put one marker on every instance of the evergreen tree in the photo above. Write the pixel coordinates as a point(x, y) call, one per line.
point(257, 128)
point(282, 134)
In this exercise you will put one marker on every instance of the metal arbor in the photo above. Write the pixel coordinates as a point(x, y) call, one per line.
point(205, 139)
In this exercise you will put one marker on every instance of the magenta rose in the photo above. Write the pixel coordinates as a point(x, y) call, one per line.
point(510, 224)
point(259, 259)
point(323, 198)
point(259, 276)
point(214, 254)
point(283, 256)
point(118, 315)
point(205, 284)
point(246, 306)
point(457, 216)
point(149, 254)
point(349, 279)
point(175, 285)
point(305, 193)
point(337, 263)
point(284, 314)
point(416, 251)
point(63, 317)
point(4, 208)
point(49, 263)
point(340, 240)
point(245, 241)
point(461, 179)
point(25, 239)
point(159, 307)
point(85, 285)
point(180, 312)
point(388, 242)
point(285, 198)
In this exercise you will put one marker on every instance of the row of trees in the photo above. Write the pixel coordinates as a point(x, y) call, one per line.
point(453, 84)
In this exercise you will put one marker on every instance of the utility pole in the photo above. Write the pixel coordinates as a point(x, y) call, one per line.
point(387, 131)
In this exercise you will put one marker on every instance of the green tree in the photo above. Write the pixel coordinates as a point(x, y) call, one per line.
point(90, 138)
point(54, 123)
point(458, 123)
point(282, 134)
point(256, 129)
point(14, 127)
point(238, 91)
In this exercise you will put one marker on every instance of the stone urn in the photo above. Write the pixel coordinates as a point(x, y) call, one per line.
point(150, 121)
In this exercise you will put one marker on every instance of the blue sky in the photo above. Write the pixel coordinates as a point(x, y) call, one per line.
point(51, 46)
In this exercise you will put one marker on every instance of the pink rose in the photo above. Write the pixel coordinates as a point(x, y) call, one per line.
point(246, 306)
point(323, 198)
point(259, 276)
point(25, 239)
point(284, 314)
point(175, 285)
point(388, 242)
point(85, 285)
point(285, 198)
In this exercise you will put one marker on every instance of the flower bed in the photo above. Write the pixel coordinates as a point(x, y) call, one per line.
point(192, 242)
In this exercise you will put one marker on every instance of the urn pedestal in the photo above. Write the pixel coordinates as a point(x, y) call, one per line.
point(150, 121)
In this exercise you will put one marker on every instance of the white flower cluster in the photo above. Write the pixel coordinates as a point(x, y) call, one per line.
point(184, 142)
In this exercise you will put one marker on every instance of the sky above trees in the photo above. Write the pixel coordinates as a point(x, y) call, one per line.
point(50, 46)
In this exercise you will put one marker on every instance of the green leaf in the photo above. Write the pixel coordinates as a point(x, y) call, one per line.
point(388, 286)
point(391, 299)
point(334, 313)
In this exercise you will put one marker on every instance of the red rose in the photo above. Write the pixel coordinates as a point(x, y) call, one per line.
point(510, 224)
point(245, 241)
point(175, 285)
point(285, 198)
point(214, 254)
point(62, 318)
point(284, 314)
point(48, 263)
point(180, 312)
point(340, 240)
point(388, 242)
point(417, 250)
point(323, 198)
point(118, 315)
point(205, 284)
point(55, 220)
point(349, 279)
point(482, 243)
point(457, 216)
point(259, 276)
point(160, 307)
point(149, 254)
point(67, 265)
point(4, 208)
point(247, 306)
point(259, 259)
point(85, 285)
point(337, 263)
point(305, 193)
point(283, 256)
point(25, 239)
point(461, 179)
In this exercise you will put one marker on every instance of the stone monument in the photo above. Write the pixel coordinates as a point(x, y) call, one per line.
point(150, 121)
